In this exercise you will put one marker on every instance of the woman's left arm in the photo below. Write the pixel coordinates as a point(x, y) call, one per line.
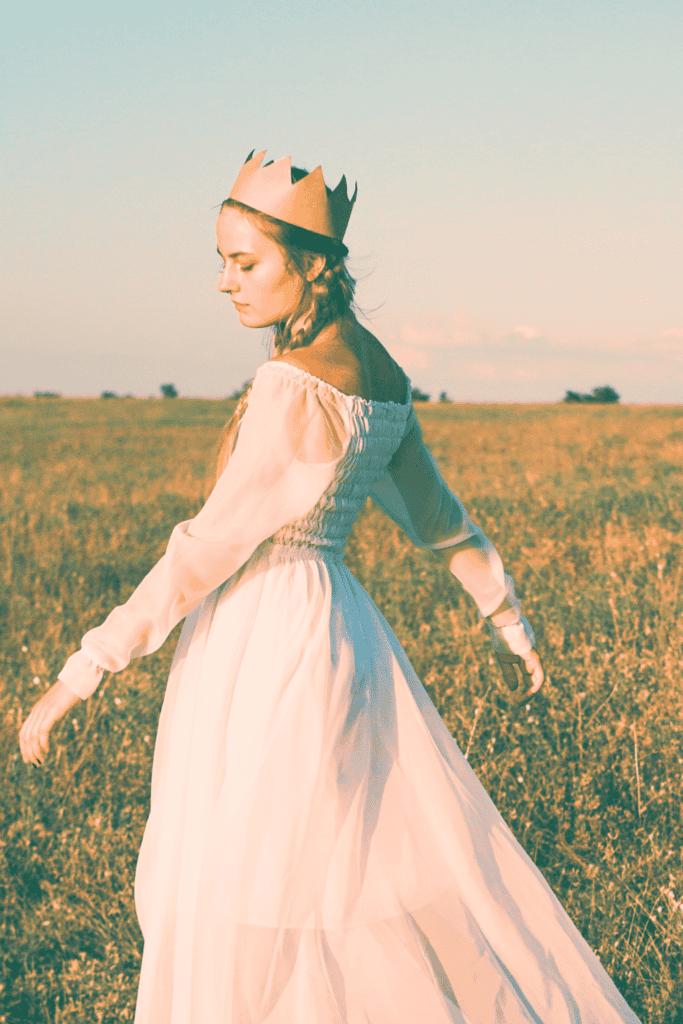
point(414, 494)
point(508, 628)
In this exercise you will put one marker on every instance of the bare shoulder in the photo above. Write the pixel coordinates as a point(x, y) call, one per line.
point(356, 364)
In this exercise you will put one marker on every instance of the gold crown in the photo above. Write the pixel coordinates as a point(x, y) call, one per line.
point(305, 203)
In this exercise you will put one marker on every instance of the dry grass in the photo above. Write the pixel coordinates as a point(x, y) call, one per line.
point(584, 504)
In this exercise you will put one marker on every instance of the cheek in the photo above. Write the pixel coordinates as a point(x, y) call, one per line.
point(271, 288)
point(285, 285)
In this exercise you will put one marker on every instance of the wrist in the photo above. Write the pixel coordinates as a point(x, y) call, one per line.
point(508, 617)
point(65, 695)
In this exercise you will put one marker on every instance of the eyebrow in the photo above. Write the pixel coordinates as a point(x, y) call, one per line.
point(233, 255)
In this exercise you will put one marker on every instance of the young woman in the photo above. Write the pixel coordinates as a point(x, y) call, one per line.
point(318, 850)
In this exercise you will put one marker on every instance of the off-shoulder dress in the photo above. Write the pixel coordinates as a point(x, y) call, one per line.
point(318, 849)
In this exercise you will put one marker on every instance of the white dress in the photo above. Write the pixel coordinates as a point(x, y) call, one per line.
point(318, 850)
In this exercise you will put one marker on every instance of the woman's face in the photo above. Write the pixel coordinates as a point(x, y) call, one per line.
point(261, 286)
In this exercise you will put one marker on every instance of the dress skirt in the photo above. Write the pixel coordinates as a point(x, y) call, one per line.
point(318, 850)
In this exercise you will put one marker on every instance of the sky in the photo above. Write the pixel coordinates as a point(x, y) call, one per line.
point(519, 224)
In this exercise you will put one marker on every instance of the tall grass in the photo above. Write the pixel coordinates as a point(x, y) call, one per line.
point(585, 506)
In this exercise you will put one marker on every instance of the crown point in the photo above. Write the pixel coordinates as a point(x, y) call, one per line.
point(305, 203)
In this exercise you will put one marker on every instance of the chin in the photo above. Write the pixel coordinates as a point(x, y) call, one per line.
point(245, 317)
point(250, 319)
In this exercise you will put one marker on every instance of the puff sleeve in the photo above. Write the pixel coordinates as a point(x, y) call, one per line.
point(288, 447)
point(414, 494)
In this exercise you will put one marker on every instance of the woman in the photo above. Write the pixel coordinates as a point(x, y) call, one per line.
point(318, 849)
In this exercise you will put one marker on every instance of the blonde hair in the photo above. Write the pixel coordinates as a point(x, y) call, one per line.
point(325, 299)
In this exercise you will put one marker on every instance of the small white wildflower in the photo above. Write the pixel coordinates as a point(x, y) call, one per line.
point(74, 722)
point(24, 649)
point(146, 738)
point(36, 680)
point(520, 779)
point(117, 700)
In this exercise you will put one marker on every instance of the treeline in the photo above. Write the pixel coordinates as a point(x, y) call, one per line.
point(604, 394)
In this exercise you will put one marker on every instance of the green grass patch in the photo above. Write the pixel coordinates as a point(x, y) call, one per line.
point(585, 506)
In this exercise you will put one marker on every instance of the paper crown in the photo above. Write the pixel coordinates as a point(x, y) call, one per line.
point(305, 203)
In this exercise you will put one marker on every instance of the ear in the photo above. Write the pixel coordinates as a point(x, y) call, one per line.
point(316, 268)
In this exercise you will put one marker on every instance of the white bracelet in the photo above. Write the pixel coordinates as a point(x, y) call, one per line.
point(517, 638)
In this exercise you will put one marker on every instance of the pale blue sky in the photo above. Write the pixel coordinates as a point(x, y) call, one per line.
point(519, 223)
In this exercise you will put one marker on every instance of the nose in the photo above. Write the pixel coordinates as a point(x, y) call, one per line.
point(228, 279)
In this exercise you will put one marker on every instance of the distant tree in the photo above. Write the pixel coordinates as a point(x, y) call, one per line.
point(443, 397)
point(236, 395)
point(109, 394)
point(605, 394)
point(420, 396)
point(602, 395)
point(169, 391)
point(46, 394)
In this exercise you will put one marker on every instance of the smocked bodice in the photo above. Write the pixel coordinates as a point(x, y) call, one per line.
point(306, 458)
point(375, 432)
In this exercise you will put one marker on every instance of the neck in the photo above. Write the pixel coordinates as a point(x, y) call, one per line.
point(343, 329)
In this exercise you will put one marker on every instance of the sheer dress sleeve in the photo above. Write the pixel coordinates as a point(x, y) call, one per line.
point(414, 494)
point(288, 447)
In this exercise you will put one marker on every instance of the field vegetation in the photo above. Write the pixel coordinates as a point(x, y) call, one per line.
point(584, 502)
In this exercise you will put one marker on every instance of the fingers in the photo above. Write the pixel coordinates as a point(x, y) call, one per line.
point(530, 668)
point(34, 738)
point(533, 673)
point(534, 667)
point(34, 733)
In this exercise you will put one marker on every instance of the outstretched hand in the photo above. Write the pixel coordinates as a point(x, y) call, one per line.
point(531, 670)
point(34, 733)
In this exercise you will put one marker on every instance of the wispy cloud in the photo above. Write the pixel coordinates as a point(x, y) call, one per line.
point(486, 370)
point(480, 362)
point(428, 338)
point(409, 357)
point(527, 331)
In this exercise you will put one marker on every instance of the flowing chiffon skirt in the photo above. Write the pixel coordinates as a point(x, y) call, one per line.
point(318, 850)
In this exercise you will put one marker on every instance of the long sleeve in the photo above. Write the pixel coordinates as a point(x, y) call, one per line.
point(288, 447)
point(414, 494)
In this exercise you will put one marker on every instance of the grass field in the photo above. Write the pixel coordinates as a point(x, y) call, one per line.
point(585, 506)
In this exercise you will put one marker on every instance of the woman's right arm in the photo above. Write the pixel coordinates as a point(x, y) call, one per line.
point(288, 446)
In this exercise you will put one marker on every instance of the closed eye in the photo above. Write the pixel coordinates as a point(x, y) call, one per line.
point(250, 267)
